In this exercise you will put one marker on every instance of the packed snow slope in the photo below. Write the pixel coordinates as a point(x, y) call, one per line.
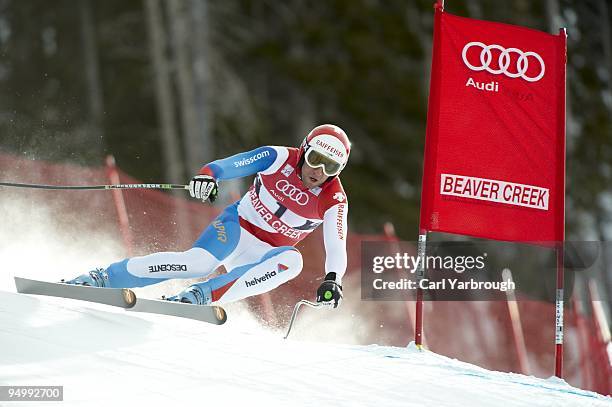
point(105, 356)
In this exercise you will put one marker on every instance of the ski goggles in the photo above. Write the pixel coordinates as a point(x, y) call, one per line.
point(315, 159)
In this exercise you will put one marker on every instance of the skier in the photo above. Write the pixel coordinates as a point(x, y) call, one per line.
point(295, 190)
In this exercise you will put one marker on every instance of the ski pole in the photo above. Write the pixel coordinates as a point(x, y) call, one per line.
point(93, 187)
point(310, 304)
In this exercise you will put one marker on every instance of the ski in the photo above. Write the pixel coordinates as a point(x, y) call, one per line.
point(116, 297)
point(212, 314)
point(123, 298)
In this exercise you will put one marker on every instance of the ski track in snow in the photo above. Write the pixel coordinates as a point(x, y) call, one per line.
point(106, 356)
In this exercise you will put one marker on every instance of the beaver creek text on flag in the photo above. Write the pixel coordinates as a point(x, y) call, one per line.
point(494, 191)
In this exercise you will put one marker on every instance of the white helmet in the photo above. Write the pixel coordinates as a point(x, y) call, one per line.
point(328, 147)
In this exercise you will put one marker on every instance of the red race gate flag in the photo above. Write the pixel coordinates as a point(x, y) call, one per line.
point(495, 143)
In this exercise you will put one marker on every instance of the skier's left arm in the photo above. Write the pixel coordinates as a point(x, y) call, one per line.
point(334, 238)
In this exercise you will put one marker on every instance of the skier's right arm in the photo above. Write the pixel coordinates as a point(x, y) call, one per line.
point(242, 164)
point(204, 185)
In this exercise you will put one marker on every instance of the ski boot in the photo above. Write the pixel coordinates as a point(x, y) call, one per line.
point(198, 294)
point(95, 278)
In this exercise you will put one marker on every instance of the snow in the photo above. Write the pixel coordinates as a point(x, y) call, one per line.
point(107, 356)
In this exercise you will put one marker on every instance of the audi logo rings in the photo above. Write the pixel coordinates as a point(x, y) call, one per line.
point(292, 192)
point(522, 64)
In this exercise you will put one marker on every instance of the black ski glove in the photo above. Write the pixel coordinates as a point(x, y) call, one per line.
point(203, 187)
point(329, 290)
